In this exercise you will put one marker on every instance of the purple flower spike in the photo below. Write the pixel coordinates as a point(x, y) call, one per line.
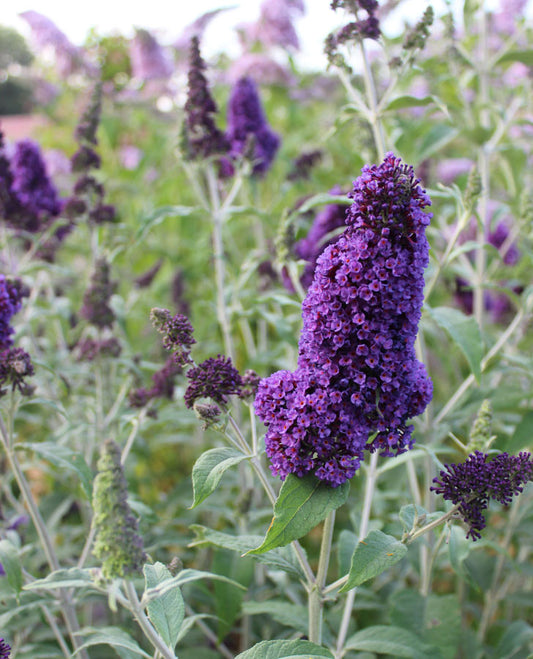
point(215, 378)
point(31, 186)
point(357, 376)
point(248, 128)
point(11, 294)
point(148, 60)
point(473, 483)
point(5, 648)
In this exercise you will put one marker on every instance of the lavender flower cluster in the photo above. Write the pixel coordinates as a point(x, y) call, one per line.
point(11, 294)
point(5, 649)
point(473, 483)
point(28, 198)
point(357, 377)
point(248, 133)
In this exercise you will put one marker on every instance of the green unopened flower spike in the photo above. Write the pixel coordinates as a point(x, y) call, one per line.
point(480, 434)
point(473, 189)
point(117, 544)
point(417, 37)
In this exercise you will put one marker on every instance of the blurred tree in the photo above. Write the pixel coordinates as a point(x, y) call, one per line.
point(13, 48)
point(16, 95)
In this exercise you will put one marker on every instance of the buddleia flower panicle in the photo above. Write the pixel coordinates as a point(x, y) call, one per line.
point(15, 367)
point(177, 333)
point(96, 309)
point(475, 482)
point(303, 165)
point(481, 432)
point(215, 378)
point(11, 293)
point(5, 649)
point(87, 200)
point(117, 541)
point(163, 385)
point(248, 130)
point(148, 60)
point(357, 381)
point(201, 136)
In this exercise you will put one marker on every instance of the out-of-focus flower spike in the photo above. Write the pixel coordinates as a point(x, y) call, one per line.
point(117, 541)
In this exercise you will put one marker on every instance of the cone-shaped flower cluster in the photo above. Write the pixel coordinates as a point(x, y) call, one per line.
point(117, 544)
point(474, 482)
point(5, 649)
point(248, 130)
point(202, 138)
point(11, 294)
point(357, 382)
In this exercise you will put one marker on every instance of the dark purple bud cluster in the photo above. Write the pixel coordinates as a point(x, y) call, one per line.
point(11, 294)
point(88, 194)
point(144, 280)
point(202, 138)
point(5, 649)
point(302, 166)
point(357, 380)
point(248, 131)
point(163, 385)
point(214, 378)
point(475, 482)
point(96, 309)
point(90, 349)
point(28, 199)
point(15, 367)
point(177, 334)
point(309, 248)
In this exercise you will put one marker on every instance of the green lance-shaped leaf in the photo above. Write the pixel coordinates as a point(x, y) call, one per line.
point(393, 641)
point(372, 556)
point(113, 636)
point(208, 471)
point(167, 611)
point(464, 332)
point(117, 543)
point(64, 458)
point(9, 560)
point(73, 577)
point(285, 650)
point(302, 503)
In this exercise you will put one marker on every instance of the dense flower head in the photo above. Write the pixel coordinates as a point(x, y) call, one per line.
point(303, 164)
point(36, 195)
point(163, 385)
point(214, 378)
point(15, 367)
point(202, 138)
point(148, 60)
point(331, 217)
point(87, 126)
point(177, 333)
point(248, 129)
point(9, 204)
point(117, 541)
point(11, 294)
point(357, 376)
point(96, 309)
point(5, 649)
point(473, 483)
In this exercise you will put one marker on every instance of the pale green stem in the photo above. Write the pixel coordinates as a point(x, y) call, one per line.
point(426, 581)
point(209, 634)
point(413, 535)
point(459, 227)
point(491, 596)
point(371, 478)
point(144, 623)
point(484, 363)
point(316, 593)
point(258, 468)
point(218, 256)
point(67, 607)
point(483, 230)
point(375, 119)
point(57, 632)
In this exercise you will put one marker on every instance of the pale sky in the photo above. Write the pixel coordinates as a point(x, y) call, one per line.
point(168, 19)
